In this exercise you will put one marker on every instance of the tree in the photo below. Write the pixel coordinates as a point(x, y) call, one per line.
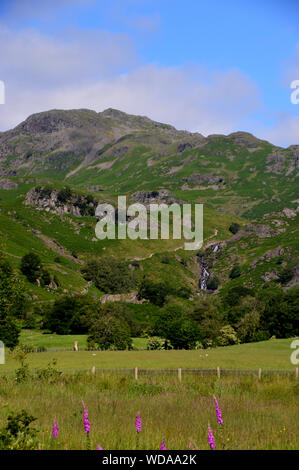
point(31, 266)
point(68, 315)
point(12, 303)
point(210, 319)
point(281, 314)
point(9, 332)
point(234, 228)
point(227, 336)
point(176, 326)
point(248, 326)
point(213, 283)
point(109, 329)
point(109, 275)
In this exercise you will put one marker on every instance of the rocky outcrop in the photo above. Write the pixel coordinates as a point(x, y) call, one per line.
point(8, 184)
point(264, 231)
point(52, 200)
point(131, 298)
point(160, 196)
point(277, 162)
point(295, 279)
point(270, 254)
point(196, 178)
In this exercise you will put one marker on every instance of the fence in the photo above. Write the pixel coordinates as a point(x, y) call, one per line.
point(179, 373)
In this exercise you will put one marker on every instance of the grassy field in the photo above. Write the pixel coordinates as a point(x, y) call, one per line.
point(256, 415)
point(273, 354)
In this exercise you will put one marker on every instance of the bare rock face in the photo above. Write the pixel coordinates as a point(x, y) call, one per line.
point(270, 254)
point(131, 298)
point(196, 178)
point(8, 184)
point(264, 231)
point(48, 200)
point(289, 213)
point(269, 277)
point(277, 162)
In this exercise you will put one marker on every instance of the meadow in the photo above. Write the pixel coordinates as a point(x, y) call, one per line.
point(268, 355)
point(257, 414)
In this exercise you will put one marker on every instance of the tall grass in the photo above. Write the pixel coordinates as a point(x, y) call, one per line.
point(257, 414)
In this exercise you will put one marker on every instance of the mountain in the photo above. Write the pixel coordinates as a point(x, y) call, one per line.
point(237, 177)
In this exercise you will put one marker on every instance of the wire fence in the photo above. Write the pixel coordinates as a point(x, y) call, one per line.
point(178, 373)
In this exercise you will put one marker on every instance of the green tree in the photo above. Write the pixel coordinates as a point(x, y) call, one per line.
point(227, 336)
point(31, 266)
point(175, 325)
point(68, 315)
point(281, 314)
point(12, 303)
point(234, 228)
point(213, 283)
point(109, 275)
point(109, 329)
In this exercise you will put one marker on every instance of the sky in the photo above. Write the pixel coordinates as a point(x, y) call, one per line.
point(204, 66)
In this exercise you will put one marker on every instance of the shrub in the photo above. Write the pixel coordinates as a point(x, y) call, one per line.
point(227, 336)
point(155, 343)
point(285, 275)
point(235, 272)
point(64, 195)
point(234, 228)
point(213, 283)
point(17, 434)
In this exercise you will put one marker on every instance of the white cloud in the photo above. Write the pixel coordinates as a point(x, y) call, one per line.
point(98, 70)
point(284, 132)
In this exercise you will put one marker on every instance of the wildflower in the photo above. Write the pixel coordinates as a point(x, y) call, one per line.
point(189, 446)
point(218, 411)
point(85, 419)
point(99, 447)
point(211, 438)
point(55, 429)
point(163, 445)
point(138, 423)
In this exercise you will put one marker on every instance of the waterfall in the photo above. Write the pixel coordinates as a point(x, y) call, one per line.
point(215, 249)
point(204, 278)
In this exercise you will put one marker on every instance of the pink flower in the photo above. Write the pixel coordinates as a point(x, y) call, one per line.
point(218, 411)
point(85, 419)
point(55, 429)
point(211, 438)
point(99, 447)
point(163, 445)
point(138, 423)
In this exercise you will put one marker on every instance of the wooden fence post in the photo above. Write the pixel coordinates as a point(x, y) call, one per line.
point(260, 373)
point(93, 370)
point(180, 374)
point(296, 372)
point(218, 372)
point(136, 373)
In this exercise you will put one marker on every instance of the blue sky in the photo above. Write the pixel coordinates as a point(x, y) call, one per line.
point(211, 67)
